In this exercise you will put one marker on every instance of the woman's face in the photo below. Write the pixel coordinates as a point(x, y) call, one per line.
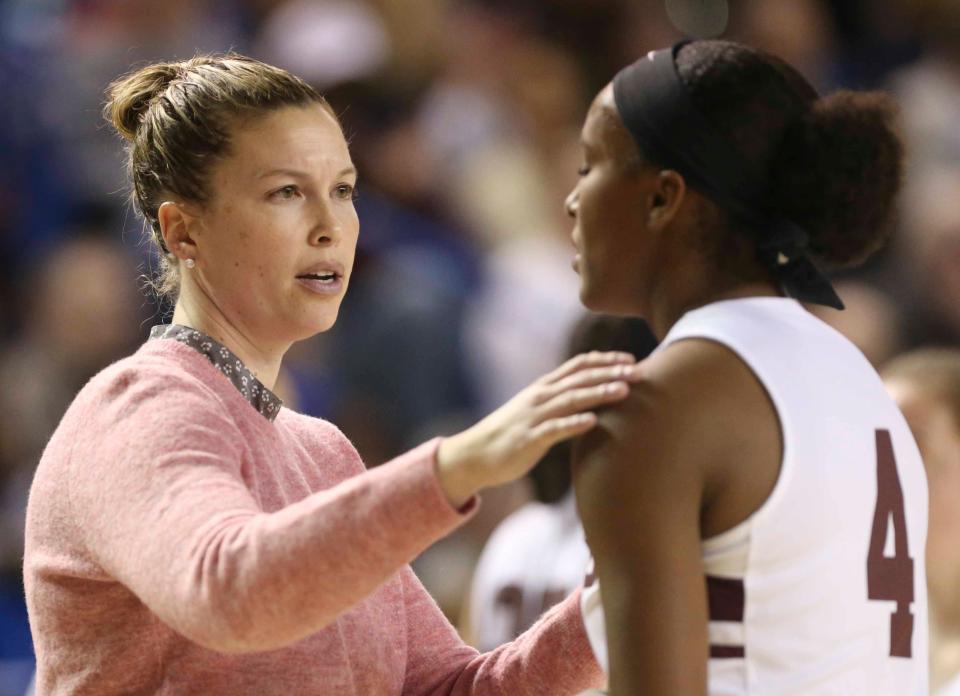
point(277, 237)
point(608, 208)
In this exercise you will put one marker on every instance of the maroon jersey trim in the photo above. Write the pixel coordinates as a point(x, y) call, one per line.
point(726, 601)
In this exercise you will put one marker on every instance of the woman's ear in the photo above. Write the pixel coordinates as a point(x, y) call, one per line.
point(176, 225)
point(669, 190)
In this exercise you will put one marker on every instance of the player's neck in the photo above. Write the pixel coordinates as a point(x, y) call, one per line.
point(669, 309)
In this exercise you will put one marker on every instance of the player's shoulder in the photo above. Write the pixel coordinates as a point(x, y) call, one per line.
point(685, 384)
point(697, 408)
point(688, 362)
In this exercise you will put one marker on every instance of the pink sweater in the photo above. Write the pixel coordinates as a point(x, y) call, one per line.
point(178, 542)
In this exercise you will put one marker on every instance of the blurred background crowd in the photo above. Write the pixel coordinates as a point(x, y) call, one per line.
point(463, 117)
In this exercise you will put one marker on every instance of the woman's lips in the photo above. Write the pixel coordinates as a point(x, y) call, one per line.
point(322, 287)
point(323, 278)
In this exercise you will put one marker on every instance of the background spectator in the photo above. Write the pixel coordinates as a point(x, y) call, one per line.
point(926, 385)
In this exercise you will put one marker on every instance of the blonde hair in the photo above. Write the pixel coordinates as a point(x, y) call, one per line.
point(176, 119)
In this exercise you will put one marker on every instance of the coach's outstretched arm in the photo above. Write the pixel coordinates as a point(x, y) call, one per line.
point(164, 506)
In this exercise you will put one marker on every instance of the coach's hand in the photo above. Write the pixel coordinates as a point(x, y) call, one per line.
point(506, 444)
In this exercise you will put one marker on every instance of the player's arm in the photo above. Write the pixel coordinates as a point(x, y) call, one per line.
point(641, 479)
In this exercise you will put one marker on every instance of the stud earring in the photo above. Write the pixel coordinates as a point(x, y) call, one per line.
point(190, 263)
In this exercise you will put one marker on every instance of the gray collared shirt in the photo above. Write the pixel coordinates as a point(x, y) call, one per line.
point(265, 401)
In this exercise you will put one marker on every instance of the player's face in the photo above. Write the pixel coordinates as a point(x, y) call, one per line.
point(606, 205)
point(938, 437)
point(279, 232)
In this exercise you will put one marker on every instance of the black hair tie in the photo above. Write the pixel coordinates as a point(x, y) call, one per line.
point(784, 251)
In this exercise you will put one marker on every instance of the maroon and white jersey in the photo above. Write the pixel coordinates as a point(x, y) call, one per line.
point(822, 590)
point(533, 559)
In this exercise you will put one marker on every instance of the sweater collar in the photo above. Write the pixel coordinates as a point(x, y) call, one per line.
point(251, 389)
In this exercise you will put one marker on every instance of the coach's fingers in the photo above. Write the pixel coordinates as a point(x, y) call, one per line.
point(554, 430)
point(586, 361)
point(574, 401)
point(621, 372)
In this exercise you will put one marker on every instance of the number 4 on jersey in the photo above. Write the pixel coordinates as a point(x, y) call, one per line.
point(891, 577)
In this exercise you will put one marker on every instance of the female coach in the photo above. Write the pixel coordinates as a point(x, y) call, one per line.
point(186, 533)
point(757, 507)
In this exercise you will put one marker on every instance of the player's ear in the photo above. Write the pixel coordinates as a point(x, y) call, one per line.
point(665, 198)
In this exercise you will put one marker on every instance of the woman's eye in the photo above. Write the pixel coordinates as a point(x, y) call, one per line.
point(345, 191)
point(287, 192)
point(583, 171)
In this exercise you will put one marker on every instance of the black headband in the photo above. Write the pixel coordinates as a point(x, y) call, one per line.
point(660, 115)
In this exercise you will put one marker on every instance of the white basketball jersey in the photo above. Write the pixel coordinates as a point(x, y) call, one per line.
point(822, 591)
point(533, 559)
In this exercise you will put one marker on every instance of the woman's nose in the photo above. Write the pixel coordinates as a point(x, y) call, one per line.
point(326, 229)
point(572, 204)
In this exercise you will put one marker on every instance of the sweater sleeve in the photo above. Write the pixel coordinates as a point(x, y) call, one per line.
point(157, 488)
point(551, 657)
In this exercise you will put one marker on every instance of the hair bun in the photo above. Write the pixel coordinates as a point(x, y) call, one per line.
point(129, 96)
point(837, 174)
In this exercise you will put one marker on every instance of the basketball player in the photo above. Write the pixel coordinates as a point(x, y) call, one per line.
point(926, 385)
point(757, 507)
